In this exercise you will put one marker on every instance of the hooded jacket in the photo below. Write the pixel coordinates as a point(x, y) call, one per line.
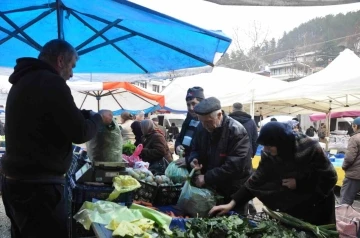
point(42, 121)
point(250, 126)
point(301, 158)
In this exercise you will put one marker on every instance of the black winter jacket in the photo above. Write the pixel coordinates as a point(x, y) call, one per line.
point(250, 126)
point(313, 198)
point(225, 156)
point(42, 121)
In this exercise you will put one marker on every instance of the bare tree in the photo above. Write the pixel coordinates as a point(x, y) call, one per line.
point(255, 38)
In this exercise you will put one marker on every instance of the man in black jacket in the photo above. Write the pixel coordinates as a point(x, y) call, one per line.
point(193, 97)
point(39, 152)
point(221, 149)
point(249, 124)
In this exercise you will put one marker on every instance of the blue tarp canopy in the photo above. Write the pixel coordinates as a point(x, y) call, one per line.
point(117, 40)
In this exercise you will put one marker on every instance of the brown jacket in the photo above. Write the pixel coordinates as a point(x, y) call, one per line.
point(155, 148)
point(351, 164)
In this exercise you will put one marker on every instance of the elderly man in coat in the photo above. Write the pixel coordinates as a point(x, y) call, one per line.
point(221, 151)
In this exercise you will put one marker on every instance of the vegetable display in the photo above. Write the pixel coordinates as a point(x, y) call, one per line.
point(128, 148)
point(324, 231)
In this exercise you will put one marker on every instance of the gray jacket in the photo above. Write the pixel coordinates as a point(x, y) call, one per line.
point(351, 163)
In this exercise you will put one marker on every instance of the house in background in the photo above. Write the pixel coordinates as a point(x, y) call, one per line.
point(153, 85)
point(293, 67)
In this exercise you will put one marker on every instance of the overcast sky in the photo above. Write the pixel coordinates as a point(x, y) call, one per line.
point(211, 16)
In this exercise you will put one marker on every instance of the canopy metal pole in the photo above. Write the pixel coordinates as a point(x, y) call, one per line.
point(252, 105)
point(60, 17)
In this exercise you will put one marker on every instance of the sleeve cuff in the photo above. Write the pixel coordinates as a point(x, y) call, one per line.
point(97, 119)
point(242, 196)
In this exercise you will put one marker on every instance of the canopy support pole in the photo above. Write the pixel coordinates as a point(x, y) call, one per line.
point(21, 29)
point(60, 17)
point(82, 104)
point(31, 41)
point(116, 100)
point(327, 123)
point(252, 105)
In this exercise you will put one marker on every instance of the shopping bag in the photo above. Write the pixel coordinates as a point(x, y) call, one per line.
point(194, 201)
point(347, 221)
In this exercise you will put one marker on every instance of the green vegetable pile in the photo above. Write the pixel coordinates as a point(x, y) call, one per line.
point(324, 231)
point(128, 148)
point(235, 227)
point(278, 225)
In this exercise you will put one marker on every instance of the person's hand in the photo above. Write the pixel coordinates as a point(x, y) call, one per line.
point(289, 183)
point(181, 163)
point(107, 116)
point(200, 181)
point(222, 209)
point(195, 164)
point(179, 148)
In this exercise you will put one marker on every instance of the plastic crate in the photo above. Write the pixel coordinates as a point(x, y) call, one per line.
point(167, 195)
point(76, 163)
point(82, 193)
point(146, 192)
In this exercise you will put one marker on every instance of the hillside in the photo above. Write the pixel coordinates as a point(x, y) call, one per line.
point(327, 35)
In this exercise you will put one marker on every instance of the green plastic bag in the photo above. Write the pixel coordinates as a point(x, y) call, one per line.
point(176, 174)
point(194, 201)
point(107, 144)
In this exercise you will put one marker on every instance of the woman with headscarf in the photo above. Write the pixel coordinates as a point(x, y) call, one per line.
point(155, 149)
point(126, 131)
point(294, 176)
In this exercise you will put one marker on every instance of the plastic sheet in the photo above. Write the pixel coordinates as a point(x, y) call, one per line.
point(196, 202)
point(176, 174)
point(106, 146)
point(123, 184)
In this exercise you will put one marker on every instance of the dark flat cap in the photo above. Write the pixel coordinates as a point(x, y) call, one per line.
point(207, 106)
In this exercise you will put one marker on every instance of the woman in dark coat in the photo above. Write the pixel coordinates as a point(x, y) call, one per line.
point(155, 149)
point(294, 176)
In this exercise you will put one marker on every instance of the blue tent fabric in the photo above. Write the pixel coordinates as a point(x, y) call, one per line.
point(147, 110)
point(112, 37)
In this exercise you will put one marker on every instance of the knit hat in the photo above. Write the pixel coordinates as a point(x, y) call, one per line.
point(194, 92)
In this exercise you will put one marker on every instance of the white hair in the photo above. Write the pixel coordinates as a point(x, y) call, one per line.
point(215, 113)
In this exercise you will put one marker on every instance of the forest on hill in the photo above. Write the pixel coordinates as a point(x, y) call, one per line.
point(327, 36)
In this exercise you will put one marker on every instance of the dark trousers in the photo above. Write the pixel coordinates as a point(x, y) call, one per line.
point(35, 210)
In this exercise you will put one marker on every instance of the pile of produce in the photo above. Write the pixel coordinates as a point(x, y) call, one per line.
point(324, 231)
point(176, 174)
point(147, 177)
point(128, 148)
point(276, 225)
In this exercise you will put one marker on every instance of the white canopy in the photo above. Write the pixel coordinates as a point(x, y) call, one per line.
point(228, 85)
point(337, 87)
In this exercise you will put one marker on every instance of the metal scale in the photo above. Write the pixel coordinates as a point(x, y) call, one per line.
point(100, 172)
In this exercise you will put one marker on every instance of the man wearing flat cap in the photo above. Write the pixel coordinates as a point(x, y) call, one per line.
point(193, 97)
point(221, 151)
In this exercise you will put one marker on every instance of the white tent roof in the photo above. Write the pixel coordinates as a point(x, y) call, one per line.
point(228, 85)
point(336, 87)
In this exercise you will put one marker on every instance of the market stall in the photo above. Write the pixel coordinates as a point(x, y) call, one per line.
point(137, 203)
